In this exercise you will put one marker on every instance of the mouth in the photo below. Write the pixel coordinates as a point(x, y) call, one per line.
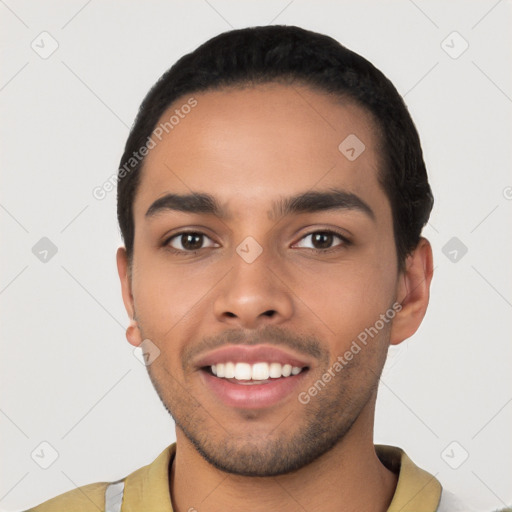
point(252, 377)
point(257, 373)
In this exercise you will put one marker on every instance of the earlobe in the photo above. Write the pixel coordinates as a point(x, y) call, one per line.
point(133, 334)
point(413, 292)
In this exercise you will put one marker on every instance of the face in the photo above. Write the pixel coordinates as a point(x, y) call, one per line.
point(255, 289)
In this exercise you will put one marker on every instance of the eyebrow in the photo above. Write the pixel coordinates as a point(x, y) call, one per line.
point(307, 202)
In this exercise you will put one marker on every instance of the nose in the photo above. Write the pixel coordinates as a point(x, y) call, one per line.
point(253, 295)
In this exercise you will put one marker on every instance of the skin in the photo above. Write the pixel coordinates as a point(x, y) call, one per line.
point(249, 147)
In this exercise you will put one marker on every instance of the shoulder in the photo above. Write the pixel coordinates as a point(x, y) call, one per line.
point(146, 485)
point(88, 498)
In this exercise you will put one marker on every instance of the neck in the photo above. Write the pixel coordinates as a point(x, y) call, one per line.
point(348, 478)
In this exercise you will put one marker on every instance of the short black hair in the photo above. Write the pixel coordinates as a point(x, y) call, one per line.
point(289, 54)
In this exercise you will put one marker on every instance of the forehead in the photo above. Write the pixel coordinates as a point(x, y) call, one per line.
point(250, 146)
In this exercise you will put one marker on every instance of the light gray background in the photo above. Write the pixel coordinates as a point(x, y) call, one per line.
point(68, 376)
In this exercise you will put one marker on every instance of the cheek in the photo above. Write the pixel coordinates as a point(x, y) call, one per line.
point(346, 306)
point(343, 300)
point(168, 298)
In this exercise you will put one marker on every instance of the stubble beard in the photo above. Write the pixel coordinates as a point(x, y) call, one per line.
point(289, 444)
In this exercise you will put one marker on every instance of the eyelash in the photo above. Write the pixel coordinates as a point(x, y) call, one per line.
point(346, 242)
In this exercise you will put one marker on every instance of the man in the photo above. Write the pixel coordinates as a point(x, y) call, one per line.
point(271, 198)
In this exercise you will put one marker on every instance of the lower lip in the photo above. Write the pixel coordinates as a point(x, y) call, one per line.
point(253, 396)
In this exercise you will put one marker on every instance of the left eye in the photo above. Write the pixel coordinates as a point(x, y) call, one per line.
point(322, 240)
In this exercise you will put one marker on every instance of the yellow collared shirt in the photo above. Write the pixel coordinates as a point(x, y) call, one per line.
point(147, 488)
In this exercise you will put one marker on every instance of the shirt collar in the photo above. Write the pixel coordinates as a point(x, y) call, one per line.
point(416, 491)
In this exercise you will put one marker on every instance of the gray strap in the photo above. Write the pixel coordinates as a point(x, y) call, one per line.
point(114, 496)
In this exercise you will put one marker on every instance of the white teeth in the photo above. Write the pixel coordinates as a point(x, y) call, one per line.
point(229, 370)
point(243, 371)
point(275, 370)
point(260, 371)
point(256, 371)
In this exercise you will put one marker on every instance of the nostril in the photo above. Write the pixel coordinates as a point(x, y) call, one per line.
point(270, 312)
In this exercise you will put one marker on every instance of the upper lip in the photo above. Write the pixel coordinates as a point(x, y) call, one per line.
point(250, 354)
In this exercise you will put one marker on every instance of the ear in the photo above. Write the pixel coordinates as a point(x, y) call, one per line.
point(133, 334)
point(413, 292)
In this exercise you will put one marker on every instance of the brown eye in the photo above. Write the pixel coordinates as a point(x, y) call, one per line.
point(188, 241)
point(323, 240)
point(192, 241)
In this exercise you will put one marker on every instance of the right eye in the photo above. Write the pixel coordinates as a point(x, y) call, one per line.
point(188, 242)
